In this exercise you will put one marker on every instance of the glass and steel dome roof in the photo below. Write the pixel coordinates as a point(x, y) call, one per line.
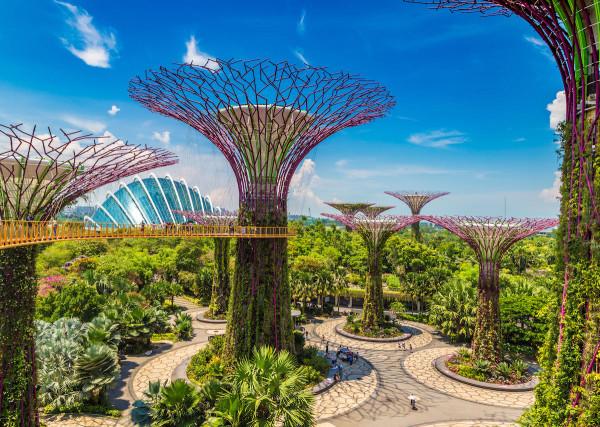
point(151, 200)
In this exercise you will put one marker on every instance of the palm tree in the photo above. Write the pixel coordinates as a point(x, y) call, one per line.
point(267, 390)
point(178, 405)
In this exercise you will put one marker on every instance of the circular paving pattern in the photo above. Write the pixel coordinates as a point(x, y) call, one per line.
point(419, 365)
point(472, 424)
point(326, 331)
point(358, 385)
point(161, 368)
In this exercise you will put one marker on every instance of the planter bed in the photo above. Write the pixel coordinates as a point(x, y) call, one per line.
point(440, 365)
point(340, 330)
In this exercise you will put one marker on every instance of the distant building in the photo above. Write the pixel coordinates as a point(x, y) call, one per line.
point(150, 200)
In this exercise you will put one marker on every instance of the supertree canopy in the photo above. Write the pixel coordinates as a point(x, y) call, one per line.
point(221, 281)
point(570, 29)
point(415, 200)
point(375, 229)
point(41, 173)
point(349, 208)
point(264, 117)
point(490, 238)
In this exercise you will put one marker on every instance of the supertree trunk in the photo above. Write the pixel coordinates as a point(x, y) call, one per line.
point(373, 304)
point(18, 287)
point(416, 230)
point(487, 337)
point(259, 306)
point(221, 279)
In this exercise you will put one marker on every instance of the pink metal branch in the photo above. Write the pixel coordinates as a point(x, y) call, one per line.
point(40, 174)
point(263, 116)
point(415, 200)
point(491, 237)
point(222, 219)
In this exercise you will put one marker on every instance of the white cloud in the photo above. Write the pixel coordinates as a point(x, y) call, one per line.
point(300, 26)
point(557, 109)
point(300, 55)
point(113, 110)
point(162, 137)
point(302, 194)
point(341, 163)
point(94, 47)
point(552, 194)
point(85, 124)
point(438, 138)
point(540, 46)
point(195, 56)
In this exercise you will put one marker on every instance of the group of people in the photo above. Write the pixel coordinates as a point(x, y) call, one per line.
point(342, 354)
point(402, 346)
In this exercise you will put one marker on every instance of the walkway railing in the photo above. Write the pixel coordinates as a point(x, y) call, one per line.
point(20, 233)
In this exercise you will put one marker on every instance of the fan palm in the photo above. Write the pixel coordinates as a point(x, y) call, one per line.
point(179, 405)
point(267, 390)
point(454, 308)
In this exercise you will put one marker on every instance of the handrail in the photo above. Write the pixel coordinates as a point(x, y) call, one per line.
point(20, 233)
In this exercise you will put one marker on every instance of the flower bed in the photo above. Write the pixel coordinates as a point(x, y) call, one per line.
point(204, 317)
point(387, 332)
point(506, 375)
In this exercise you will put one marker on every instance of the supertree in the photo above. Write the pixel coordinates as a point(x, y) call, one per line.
point(375, 229)
point(349, 208)
point(570, 29)
point(264, 117)
point(40, 174)
point(416, 200)
point(221, 276)
point(490, 238)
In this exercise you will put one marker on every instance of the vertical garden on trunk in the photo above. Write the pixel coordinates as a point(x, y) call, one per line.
point(40, 174)
point(264, 117)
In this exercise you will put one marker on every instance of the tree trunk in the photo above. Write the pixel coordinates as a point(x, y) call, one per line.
point(18, 288)
point(373, 304)
point(221, 287)
point(416, 229)
point(259, 306)
point(487, 338)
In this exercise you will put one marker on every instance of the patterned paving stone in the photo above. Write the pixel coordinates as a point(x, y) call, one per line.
point(326, 331)
point(472, 424)
point(420, 366)
point(358, 385)
point(161, 368)
point(79, 421)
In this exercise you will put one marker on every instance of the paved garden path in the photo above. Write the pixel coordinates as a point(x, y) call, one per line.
point(389, 405)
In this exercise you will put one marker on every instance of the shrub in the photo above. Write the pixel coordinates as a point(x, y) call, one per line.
point(518, 368)
point(398, 309)
point(313, 376)
point(504, 370)
point(207, 363)
point(78, 300)
point(179, 404)
point(469, 372)
point(482, 367)
point(310, 357)
point(464, 353)
point(183, 326)
point(299, 340)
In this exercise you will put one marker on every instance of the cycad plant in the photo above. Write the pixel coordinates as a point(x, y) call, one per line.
point(183, 326)
point(267, 390)
point(96, 369)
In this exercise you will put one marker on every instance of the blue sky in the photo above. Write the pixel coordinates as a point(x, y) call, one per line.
point(472, 93)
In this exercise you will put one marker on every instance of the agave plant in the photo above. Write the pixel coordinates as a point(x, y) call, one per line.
point(96, 369)
point(57, 346)
point(267, 390)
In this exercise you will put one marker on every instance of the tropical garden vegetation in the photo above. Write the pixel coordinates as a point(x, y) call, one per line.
point(99, 299)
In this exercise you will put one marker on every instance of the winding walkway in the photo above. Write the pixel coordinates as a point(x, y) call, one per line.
point(374, 391)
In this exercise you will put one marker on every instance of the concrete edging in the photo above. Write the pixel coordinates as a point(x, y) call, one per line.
point(339, 329)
